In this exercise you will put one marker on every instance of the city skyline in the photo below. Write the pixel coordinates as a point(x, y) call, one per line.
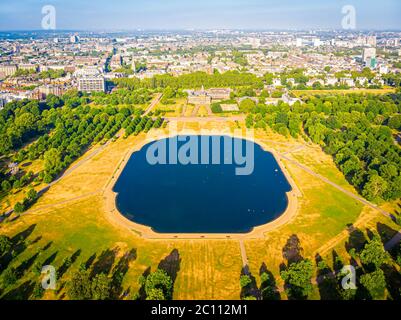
point(181, 15)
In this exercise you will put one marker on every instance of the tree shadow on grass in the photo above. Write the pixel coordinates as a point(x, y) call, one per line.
point(393, 280)
point(385, 232)
point(47, 246)
point(120, 270)
point(50, 259)
point(268, 287)
point(251, 290)
point(326, 280)
point(142, 292)
point(338, 264)
point(105, 262)
point(171, 265)
point(18, 246)
point(88, 263)
point(67, 264)
point(292, 254)
point(23, 235)
point(292, 251)
point(23, 292)
point(25, 265)
point(36, 240)
point(356, 239)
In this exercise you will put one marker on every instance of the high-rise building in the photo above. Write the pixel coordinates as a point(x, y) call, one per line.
point(115, 62)
point(371, 62)
point(90, 80)
point(368, 55)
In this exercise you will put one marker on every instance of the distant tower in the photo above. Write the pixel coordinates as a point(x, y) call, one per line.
point(133, 66)
point(17, 48)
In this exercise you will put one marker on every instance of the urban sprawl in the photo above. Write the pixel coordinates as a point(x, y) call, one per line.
point(35, 65)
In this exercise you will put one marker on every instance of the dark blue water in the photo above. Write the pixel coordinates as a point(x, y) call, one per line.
point(202, 198)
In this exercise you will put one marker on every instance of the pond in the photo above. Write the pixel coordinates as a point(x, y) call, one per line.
point(201, 196)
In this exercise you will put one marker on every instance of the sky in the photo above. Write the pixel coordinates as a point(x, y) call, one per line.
point(199, 14)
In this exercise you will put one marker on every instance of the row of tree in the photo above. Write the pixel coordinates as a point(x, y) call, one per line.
point(355, 129)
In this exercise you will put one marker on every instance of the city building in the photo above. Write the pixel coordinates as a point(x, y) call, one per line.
point(219, 94)
point(368, 53)
point(229, 107)
point(45, 90)
point(115, 62)
point(28, 67)
point(7, 70)
point(90, 80)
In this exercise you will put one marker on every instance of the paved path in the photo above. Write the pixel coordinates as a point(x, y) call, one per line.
point(195, 111)
point(205, 119)
point(243, 254)
point(153, 104)
point(294, 150)
point(62, 202)
point(65, 174)
point(350, 194)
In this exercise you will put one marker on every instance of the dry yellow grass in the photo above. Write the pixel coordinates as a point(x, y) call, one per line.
point(72, 218)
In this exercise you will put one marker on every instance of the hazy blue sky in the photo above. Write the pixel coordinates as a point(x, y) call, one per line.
point(200, 14)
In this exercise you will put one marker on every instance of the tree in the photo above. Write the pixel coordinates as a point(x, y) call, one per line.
point(101, 287)
point(374, 188)
point(395, 122)
point(17, 184)
point(6, 186)
point(80, 286)
point(155, 294)
point(32, 195)
point(375, 283)
point(48, 178)
point(19, 207)
point(374, 253)
point(268, 289)
point(247, 105)
point(52, 160)
point(5, 244)
point(10, 277)
point(298, 279)
point(245, 281)
point(249, 121)
point(161, 282)
point(38, 291)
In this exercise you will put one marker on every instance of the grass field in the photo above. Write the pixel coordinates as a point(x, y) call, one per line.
point(173, 110)
point(69, 221)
